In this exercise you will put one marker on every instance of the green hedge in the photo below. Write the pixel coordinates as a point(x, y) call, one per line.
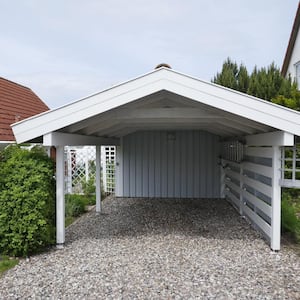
point(27, 201)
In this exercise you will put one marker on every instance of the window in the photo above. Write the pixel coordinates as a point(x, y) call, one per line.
point(298, 74)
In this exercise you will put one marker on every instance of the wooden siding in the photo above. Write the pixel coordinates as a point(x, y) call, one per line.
point(184, 167)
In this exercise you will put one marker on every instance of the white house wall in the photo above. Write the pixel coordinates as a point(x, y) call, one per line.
point(180, 164)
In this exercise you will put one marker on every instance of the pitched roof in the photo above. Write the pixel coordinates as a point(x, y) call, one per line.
point(292, 41)
point(17, 102)
point(162, 99)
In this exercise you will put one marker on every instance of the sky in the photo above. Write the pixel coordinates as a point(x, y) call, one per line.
point(68, 49)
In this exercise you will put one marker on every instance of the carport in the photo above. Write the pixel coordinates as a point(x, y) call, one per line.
point(177, 137)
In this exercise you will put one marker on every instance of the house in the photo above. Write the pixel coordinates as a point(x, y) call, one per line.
point(177, 136)
point(17, 102)
point(291, 63)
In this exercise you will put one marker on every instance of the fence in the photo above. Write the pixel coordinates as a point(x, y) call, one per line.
point(290, 166)
point(248, 186)
point(80, 168)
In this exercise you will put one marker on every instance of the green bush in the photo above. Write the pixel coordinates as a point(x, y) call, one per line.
point(89, 190)
point(75, 205)
point(27, 200)
point(289, 220)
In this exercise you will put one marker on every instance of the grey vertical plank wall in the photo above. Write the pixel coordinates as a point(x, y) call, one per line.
point(183, 164)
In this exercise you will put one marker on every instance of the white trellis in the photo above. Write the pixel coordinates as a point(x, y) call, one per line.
point(108, 159)
point(80, 167)
point(290, 166)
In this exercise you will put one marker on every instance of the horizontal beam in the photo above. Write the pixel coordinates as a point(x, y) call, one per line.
point(67, 139)
point(276, 138)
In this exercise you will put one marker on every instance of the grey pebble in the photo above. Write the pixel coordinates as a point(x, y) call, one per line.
point(158, 249)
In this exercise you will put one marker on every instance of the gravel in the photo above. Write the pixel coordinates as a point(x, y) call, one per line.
point(158, 249)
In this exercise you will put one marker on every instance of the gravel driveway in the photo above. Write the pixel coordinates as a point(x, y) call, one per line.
point(158, 249)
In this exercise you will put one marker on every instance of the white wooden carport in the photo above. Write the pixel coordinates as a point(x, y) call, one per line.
point(166, 124)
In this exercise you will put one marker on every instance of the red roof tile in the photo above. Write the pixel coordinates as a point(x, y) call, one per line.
point(17, 102)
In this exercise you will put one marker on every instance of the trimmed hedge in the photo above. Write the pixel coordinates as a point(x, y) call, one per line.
point(27, 200)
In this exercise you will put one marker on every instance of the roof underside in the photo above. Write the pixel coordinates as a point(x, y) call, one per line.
point(164, 110)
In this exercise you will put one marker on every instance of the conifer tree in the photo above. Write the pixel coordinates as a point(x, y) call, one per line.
point(265, 83)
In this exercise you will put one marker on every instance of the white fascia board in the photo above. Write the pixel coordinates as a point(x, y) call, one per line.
point(243, 105)
point(162, 79)
point(66, 139)
point(276, 138)
point(85, 108)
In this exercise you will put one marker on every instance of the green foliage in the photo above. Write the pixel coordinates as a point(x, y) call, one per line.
point(89, 190)
point(6, 263)
point(289, 219)
point(27, 200)
point(75, 205)
point(233, 76)
point(265, 83)
point(292, 101)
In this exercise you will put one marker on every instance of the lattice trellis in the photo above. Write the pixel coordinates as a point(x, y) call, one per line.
point(81, 167)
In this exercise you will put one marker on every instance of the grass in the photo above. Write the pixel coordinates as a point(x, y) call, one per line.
point(7, 263)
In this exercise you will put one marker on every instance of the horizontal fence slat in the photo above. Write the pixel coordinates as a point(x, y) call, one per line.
point(232, 185)
point(231, 163)
point(259, 169)
point(258, 186)
point(233, 198)
point(232, 174)
point(264, 207)
point(259, 151)
point(264, 226)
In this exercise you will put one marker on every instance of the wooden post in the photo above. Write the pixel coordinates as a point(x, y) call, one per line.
point(276, 200)
point(60, 197)
point(98, 179)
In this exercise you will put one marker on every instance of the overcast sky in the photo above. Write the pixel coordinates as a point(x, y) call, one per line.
point(67, 49)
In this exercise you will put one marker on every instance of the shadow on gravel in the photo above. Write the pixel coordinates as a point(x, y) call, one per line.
point(124, 217)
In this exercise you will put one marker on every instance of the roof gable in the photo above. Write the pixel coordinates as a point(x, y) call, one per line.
point(291, 44)
point(17, 102)
point(143, 88)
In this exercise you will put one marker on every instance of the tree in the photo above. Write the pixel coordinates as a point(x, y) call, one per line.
point(233, 76)
point(265, 83)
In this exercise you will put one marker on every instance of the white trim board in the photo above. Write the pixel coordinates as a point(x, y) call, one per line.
point(210, 94)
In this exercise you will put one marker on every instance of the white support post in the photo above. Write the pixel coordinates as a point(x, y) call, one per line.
point(241, 189)
point(98, 179)
point(119, 170)
point(276, 200)
point(60, 197)
point(222, 179)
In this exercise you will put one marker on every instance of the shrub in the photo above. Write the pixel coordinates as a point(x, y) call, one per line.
point(27, 200)
point(75, 205)
point(289, 220)
point(89, 190)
